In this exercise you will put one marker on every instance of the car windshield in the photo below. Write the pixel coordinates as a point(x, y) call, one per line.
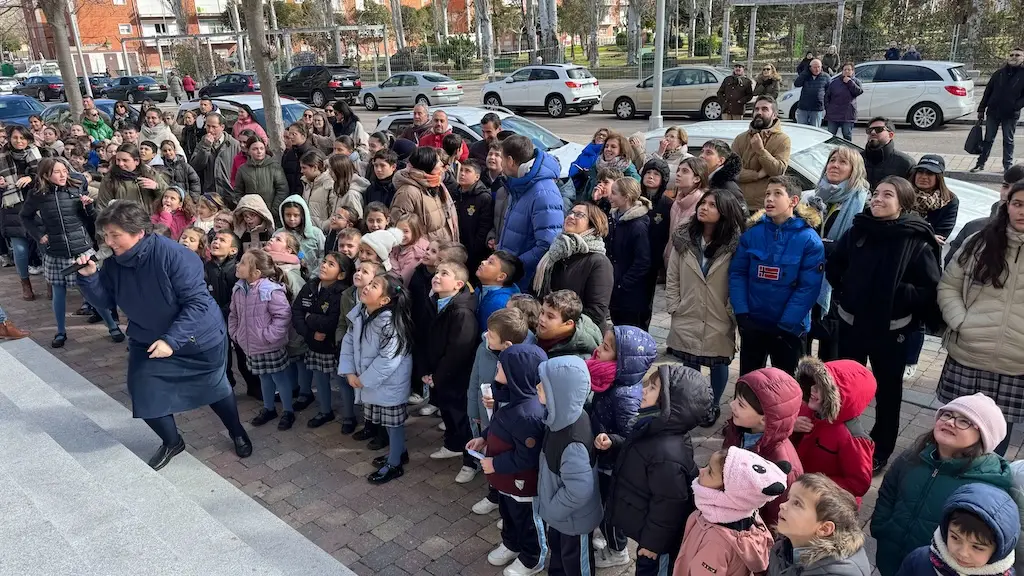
point(526, 128)
point(579, 73)
point(19, 107)
point(813, 159)
point(290, 112)
point(437, 79)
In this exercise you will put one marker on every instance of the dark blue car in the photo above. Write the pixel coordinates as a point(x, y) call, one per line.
point(61, 113)
point(17, 109)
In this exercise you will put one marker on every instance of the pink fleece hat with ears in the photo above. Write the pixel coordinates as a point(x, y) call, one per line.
point(983, 412)
point(750, 483)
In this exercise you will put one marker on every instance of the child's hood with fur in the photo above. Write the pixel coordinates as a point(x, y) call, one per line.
point(252, 203)
point(840, 555)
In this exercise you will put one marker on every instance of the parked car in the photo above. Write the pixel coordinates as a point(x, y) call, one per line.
point(17, 109)
point(61, 113)
point(688, 90)
point(925, 94)
point(465, 121)
point(230, 84)
point(98, 84)
point(291, 110)
point(8, 84)
point(410, 88)
point(43, 88)
point(136, 89)
point(554, 88)
point(321, 84)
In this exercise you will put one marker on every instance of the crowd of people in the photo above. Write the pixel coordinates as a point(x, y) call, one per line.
point(382, 277)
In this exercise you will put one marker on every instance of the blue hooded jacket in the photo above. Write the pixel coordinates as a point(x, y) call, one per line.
point(534, 215)
point(519, 416)
point(615, 409)
point(776, 273)
point(999, 512)
point(492, 300)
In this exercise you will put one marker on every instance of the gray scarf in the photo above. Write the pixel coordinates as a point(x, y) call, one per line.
point(564, 246)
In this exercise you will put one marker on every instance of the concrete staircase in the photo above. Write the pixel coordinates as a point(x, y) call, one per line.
point(77, 497)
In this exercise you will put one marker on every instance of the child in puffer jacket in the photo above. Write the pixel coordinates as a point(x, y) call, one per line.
point(829, 435)
point(617, 369)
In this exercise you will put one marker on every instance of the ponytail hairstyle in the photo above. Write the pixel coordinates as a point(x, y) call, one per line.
point(345, 264)
point(301, 128)
point(401, 326)
point(264, 264)
point(291, 241)
point(989, 246)
point(385, 139)
point(213, 201)
point(314, 159)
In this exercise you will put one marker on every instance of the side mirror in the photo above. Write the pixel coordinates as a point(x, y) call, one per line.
point(510, 80)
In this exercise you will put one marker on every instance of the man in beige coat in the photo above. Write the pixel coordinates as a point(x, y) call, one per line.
point(764, 150)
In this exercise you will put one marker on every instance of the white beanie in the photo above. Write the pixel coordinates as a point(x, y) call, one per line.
point(382, 242)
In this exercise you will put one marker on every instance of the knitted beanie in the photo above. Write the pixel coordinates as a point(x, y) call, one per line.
point(750, 483)
point(983, 413)
point(382, 242)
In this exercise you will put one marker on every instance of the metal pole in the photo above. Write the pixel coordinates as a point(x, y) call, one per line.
point(277, 37)
point(213, 65)
point(659, 65)
point(236, 23)
point(78, 46)
point(726, 36)
point(677, 28)
point(124, 54)
point(750, 39)
point(287, 51)
point(387, 57)
point(160, 55)
point(337, 45)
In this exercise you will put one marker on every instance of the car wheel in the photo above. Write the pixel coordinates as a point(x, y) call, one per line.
point(422, 100)
point(555, 105)
point(369, 102)
point(925, 116)
point(711, 109)
point(42, 96)
point(131, 98)
point(625, 109)
point(584, 109)
point(318, 98)
point(492, 99)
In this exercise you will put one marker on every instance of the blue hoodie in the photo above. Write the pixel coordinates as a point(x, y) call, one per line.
point(311, 239)
point(493, 298)
point(999, 512)
point(568, 500)
point(534, 215)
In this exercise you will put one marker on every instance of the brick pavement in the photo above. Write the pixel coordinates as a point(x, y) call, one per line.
point(315, 479)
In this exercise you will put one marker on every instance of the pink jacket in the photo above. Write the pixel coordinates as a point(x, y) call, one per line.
point(188, 84)
point(405, 259)
point(176, 221)
point(253, 125)
point(714, 549)
point(239, 160)
point(260, 317)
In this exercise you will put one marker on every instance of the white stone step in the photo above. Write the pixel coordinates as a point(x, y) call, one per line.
point(196, 508)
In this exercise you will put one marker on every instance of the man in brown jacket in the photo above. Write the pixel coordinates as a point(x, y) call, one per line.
point(764, 150)
point(734, 93)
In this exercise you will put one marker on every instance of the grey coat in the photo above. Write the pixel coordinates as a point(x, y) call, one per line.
point(841, 555)
point(214, 166)
point(177, 90)
point(265, 178)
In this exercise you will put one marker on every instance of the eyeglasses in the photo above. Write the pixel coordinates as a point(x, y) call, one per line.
point(307, 115)
point(577, 215)
point(766, 69)
point(958, 421)
point(876, 129)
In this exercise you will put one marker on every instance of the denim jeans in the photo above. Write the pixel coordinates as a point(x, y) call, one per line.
point(846, 127)
point(993, 124)
point(322, 380)
point(22, 248)
point(281, 382)
point(810, 117)
point(3, 315)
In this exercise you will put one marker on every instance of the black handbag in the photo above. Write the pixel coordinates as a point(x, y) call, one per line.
point(974, 144)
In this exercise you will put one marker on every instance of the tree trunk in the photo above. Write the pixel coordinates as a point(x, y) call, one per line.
point(549, 45)
point(483, 15)
point(56, 15)
point(708, 6)
point(180, 16)
point(633, 33)
point(691, 32)
point(396, 24)
point(263, 57)
point(592, 42)
point(530, 25)
point(974, 32)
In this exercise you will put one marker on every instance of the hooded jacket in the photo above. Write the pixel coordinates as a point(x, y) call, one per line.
point(253, 203)
point(475, 208)
point(912, 497)
point(435, 209)
point(660, 228)
point(157, 134)
point(629, 249)
point(995, 508)
point(838, 445)
point(568, 499)
point(492, 299)
point(382, 191)
point(775, 275)
point(311, 238)
point(772, 159)
point(264, 177)
point(885, 161)
point(98, 129)
point(451, 347)
point(842, 554)
point(517, 428)
point(650, 496)
point(317, 193)
point(534, 215)
point(698, 301)
point(259, 317)
point(115, 188)
point(180, 173)
point(213, 164)
point(584, 340)
point(723, 550)
point(251, 124)
point(726, 179)
point(780, 398)
point(370, 349)
point(613, 411)
point(316, 308)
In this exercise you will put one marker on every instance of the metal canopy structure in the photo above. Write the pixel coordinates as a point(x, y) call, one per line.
point(754, 4)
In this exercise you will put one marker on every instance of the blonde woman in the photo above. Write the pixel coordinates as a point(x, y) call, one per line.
point(616, 154)
point(768, 82)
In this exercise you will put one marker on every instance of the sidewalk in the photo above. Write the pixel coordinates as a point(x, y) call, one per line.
point(315, 479)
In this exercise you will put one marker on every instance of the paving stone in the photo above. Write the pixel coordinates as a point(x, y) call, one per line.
point(389, 530)
point(435, 547)
point(384, 555)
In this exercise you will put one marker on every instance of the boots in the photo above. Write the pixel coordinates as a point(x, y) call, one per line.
point(8, 331)
point(26, 290)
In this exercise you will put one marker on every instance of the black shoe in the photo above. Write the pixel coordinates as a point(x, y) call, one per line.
point(380, 441)
point(348, 426)
point(117, 336)
point(877, 466)
point(712, 416)
point(320, 419)
point(243, 446)
point(59, 340)
point(94, 318)
point(385, 474)
point(287, 419)
point(85, 310)
point(263, 417)
point(165, 453)
point(977, 168)
point(303, 402)
point(368, 431)
point(381, 461)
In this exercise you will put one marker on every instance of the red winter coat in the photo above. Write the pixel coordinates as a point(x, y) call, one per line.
point(780, 397)
point(188, 84)
point(838, 446)
point(434, 141)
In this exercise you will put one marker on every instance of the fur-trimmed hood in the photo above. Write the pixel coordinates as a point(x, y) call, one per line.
point(727, 172)
point(803, 210)
point(841, 555)
point(683, 243)
point(846, 387)
point(639, 209)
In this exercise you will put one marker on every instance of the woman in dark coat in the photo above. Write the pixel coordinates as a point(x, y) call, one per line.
point(577, 261)
point(18, 160)
point(841, 102)
point(191, 133)
point(298, 138)
point(177, 339)
point(629, 249)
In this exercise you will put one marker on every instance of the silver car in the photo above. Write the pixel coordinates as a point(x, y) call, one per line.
point(406, 89)
point(8, 84)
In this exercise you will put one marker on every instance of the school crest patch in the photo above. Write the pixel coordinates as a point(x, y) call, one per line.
point(520, 484)
point(658, 218)
point(530, 442)
point(471, 210)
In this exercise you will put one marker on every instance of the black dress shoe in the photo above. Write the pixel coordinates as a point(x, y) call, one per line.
point(165, 453)
point(59, 340)
point(320, 419)
point(380, 441)
point(287, 419)
point(381, 461)
point(263, 417)
point(94, 318)
point(877, 466)
point(369, 431)
point(303, 402)
point(348, 426)
point(243, 446)
point(385, 474)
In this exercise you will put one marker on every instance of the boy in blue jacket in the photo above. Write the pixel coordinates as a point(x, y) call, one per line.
point(568, 499)
point(775, 277)
point(498, 275)
point(513, 443)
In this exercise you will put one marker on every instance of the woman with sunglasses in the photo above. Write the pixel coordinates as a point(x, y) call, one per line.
point(95, 126)
point(768, 82)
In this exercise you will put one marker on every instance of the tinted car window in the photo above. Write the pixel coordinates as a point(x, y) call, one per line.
point(391, 82)
point(543, 74)
point(145, 80)
point(959, 74)
point(410, 80)
point(521, 75)
point(436, 78)
point(18, 107)
point(290, 113)
point(579, 73)
point(523, 126)
point(866, 73)
point(892, 73)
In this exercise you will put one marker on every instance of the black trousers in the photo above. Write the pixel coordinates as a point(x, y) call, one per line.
point(457, 432)
point(570, 555)
point(640, 319)
point(758, 344)
point(888, 354)
point(615, 538)
point(252, 382)
point(826, 332)
point(522, 531)
point(661, 566)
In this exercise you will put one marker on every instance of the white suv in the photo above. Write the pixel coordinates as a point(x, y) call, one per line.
point(551, 87)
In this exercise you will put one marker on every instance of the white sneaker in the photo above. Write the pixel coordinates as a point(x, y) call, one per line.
point(501, 556)
point(415, 399)
point(428, 410)
point(35, 270)
point(484, 506)
point(442, 427)
point(517, 569)
point(500, 524)
point(909, 371)
point(465, 475)
point(444, 453)
point(607, 558)
point(598, 542)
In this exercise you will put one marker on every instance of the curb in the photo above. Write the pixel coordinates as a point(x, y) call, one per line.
point(976, 177)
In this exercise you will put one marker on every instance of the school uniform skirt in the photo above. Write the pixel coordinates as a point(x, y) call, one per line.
point(178, 383)
point(54, 265)
point(960, 380)
point(387, 416)
point(321, 361)
point(267, 363)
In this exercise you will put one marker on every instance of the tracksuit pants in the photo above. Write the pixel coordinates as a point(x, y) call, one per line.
point(615, 538)
point(522, 530)
point(457, 431)
point(661, 566)
point(570, 555)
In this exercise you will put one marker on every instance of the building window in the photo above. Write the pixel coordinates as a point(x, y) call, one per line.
point(119, 2)
point(124, 28)
point(160, 28)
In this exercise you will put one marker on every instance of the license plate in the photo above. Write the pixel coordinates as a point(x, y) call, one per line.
point(347, 84)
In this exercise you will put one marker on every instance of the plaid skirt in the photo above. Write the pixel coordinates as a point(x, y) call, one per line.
point(321, 361)
point(388, 416)
point(268, 363)
point(54, 265)
point(1007, 391)
point(708, 361)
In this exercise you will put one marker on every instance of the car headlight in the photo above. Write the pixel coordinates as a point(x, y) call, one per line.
point(787, 96)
